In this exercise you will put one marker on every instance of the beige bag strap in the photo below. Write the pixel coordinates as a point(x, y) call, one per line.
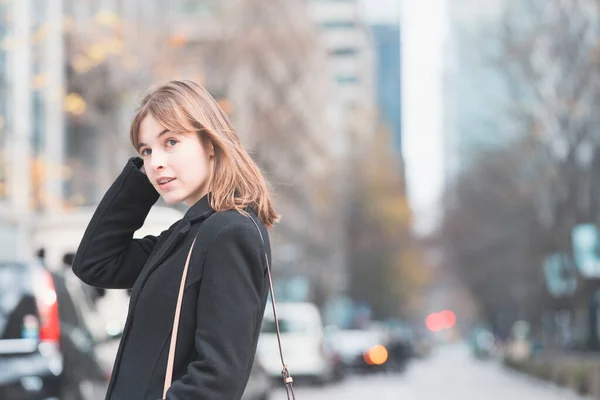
point(171, 359)
point(285, 374)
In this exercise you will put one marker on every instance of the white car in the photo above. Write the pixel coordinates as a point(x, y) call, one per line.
point(301, 330)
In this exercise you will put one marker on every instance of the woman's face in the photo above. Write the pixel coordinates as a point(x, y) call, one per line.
point(177, 165)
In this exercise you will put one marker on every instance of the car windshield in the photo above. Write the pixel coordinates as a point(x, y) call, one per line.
point(17, 303)
point(285, 326)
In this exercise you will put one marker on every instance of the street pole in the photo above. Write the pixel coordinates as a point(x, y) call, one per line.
point(54, 137)
point(20, 172)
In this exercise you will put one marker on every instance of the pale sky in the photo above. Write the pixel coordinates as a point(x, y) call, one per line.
point(423, 27)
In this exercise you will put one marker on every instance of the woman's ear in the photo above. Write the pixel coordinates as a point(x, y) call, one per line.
point(210, 149)
point(208, 146)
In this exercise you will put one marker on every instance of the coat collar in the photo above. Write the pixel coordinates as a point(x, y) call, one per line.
point(199, 211)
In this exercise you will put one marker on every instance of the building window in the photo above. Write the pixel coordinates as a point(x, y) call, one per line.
point(194, 7)
point(338, 25)
point(344, 52)
point(346, 79)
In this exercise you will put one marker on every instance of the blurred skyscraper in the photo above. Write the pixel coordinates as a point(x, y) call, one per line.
point(31, 116)
point(475, 92)
point(345, 35)
point(8, 226)
point(386, 39)
point(5, 93)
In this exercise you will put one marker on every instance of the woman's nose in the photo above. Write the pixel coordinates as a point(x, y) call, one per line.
point(157, 160)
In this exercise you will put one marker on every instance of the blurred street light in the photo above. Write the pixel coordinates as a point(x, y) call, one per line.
point(82, 64)
point(97, 53)
point(39, 81)
point(178, 40)
point(75, 104)
point(107, 18)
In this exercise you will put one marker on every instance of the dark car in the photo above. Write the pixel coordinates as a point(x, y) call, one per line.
point(375, 349)
point(45, 350)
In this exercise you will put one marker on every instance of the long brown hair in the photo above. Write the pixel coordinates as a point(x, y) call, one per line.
point(237, 182)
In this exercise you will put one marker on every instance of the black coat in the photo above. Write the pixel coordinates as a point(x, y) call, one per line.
point(223, 303)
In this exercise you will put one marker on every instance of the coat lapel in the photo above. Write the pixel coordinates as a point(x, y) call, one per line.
point(195, 214)
point(180, 231)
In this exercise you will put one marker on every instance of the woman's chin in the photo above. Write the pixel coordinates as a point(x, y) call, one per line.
point(171, 200)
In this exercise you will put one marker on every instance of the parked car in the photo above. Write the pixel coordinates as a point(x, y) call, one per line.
point(260, 383)
point(401, 344)
point(363, 350)
point(483, 343)
point(46, 352)
point(302, 338)
point(333, 354)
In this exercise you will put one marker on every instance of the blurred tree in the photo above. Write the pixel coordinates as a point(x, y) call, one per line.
point(110, 59)
point(385, 263)
point(549, 55)
point(278, 85)
point(514, 205)
point(490, 235)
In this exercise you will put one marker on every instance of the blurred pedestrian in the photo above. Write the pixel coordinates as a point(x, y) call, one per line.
point(188, 152)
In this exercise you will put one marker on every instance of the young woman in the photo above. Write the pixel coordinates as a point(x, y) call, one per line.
point(188, 152)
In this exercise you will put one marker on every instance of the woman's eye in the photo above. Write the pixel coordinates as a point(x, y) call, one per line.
point(171, 142)
point(145, 152)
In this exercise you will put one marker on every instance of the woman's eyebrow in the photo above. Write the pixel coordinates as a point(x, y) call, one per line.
point(157, 136)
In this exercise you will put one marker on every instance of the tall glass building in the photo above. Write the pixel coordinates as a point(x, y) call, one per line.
point(4, 92)
point(386, 38)
point(7, 231)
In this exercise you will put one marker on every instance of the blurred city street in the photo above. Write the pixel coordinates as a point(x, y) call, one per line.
point(435, 165)
point(449, 374)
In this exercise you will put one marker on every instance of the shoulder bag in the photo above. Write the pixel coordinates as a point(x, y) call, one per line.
point(287, 379)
